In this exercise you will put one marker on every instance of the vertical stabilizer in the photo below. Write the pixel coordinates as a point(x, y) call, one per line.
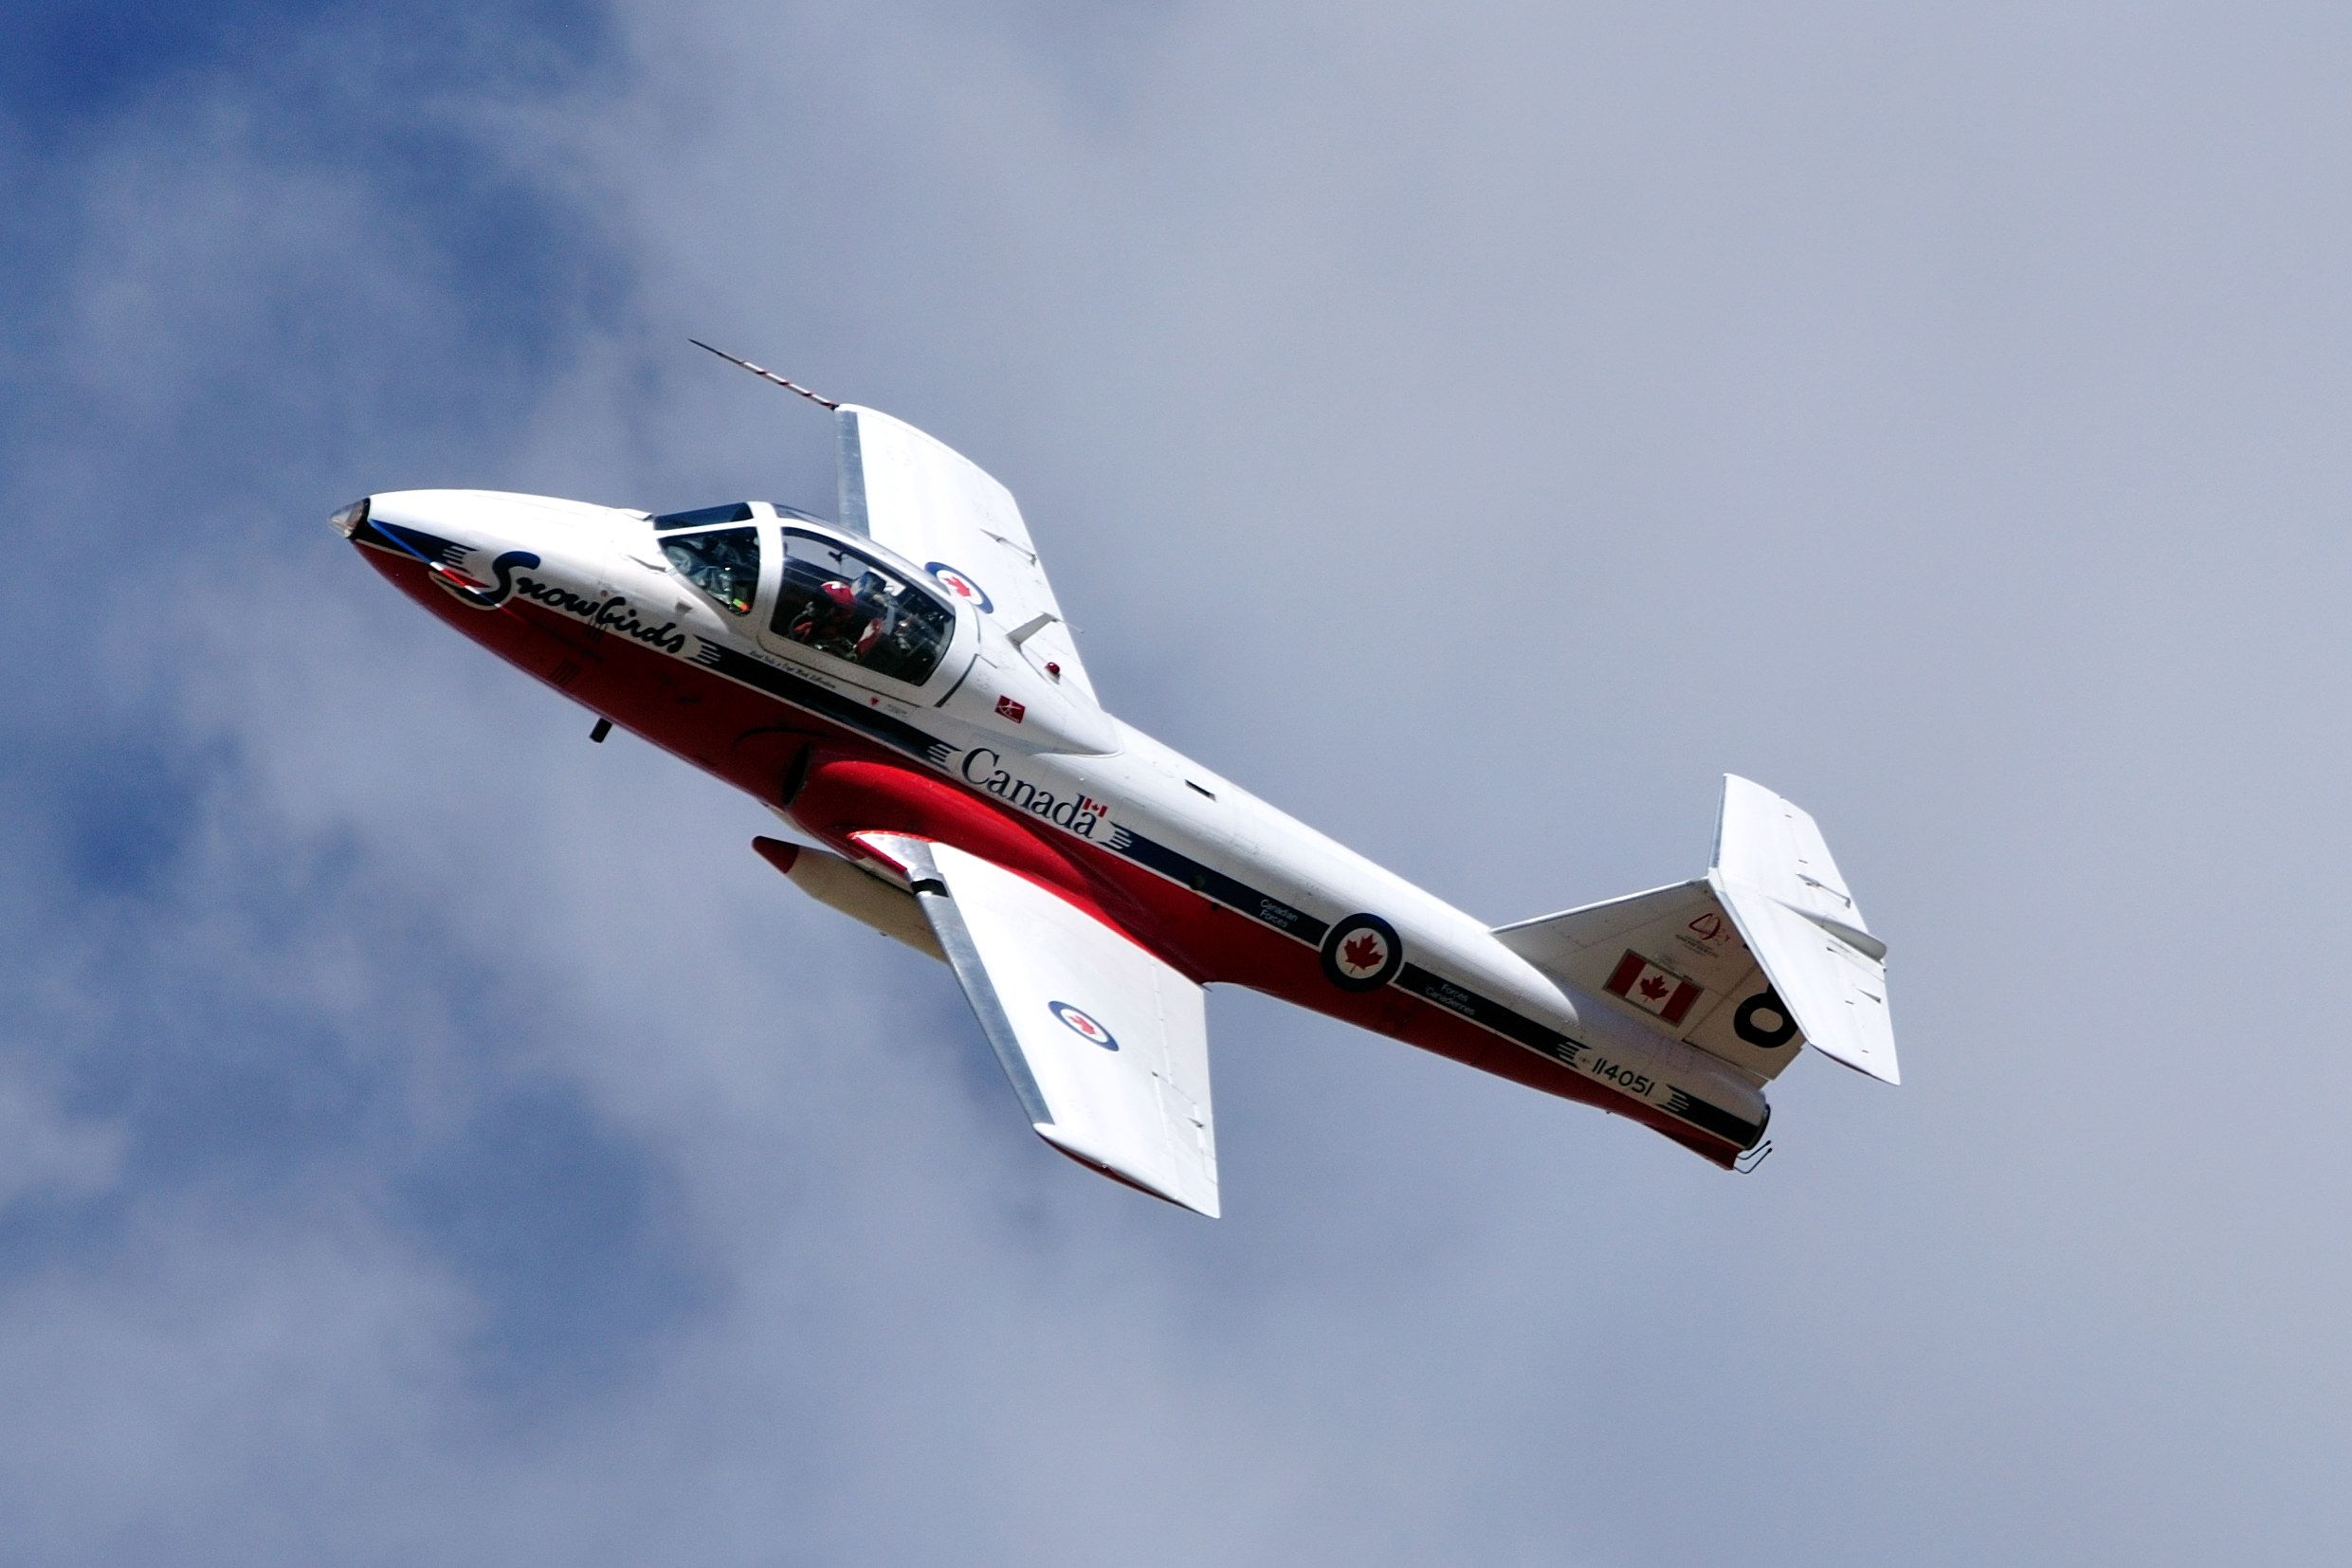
point(1765, 954)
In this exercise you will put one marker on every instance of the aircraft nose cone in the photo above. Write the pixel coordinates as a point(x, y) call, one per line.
point(347, 519)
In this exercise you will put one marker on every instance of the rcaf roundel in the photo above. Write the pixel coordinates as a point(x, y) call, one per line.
point(1362, 952)
point(1652, 988)
point(961, 586)
point(1082, 1025)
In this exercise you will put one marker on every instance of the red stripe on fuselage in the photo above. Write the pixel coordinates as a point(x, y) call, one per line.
point(852, 783)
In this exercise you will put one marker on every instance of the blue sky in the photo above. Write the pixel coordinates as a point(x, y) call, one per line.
point(426, 1138)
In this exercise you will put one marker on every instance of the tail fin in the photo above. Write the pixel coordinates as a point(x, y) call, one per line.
point(1765, 953)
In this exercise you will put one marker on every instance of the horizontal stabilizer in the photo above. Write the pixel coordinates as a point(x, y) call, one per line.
point(1775, 876)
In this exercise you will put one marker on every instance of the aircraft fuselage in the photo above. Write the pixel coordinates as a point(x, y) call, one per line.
point(991, 752)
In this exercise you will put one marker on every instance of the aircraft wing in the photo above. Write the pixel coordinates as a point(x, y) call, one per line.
point(920, 497)
point(1106, 1045)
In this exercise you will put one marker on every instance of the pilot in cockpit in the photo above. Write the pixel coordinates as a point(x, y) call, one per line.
point(876, 610)
point(829, 621)
point(844, 621)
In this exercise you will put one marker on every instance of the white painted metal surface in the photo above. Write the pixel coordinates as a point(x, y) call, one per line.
point(1775, 875)
point(1765, 954)
point(1690, 974)
point(1113, 1042)
point(863, 897)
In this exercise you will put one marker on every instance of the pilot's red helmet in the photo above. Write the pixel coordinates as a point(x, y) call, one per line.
point(839, 594)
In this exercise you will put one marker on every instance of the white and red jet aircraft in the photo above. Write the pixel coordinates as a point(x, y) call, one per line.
point(899, 686)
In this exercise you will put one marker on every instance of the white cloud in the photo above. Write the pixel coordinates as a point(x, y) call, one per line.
point(46, 1151)
point(1909, 411)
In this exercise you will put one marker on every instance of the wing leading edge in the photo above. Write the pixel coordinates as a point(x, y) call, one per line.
point(1106, 1045)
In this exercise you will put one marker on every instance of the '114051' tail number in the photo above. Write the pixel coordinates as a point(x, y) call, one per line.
point(1625, 1078)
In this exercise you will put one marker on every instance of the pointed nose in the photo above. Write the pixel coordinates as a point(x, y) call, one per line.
point(347, 519)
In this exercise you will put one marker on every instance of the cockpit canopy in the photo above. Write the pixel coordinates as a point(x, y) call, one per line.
point(733, 511)
point(843, 602)
point(704, 517)
point(723, 562)
point(831, 597)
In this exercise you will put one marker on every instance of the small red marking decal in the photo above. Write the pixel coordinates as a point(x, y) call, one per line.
point(1009, 708)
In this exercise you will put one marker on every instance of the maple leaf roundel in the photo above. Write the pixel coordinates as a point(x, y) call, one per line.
point(956, 582)
point(1362, 953)
point(1082, 1023)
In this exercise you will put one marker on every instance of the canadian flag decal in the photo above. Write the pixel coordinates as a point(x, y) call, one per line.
point(1651, 988)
